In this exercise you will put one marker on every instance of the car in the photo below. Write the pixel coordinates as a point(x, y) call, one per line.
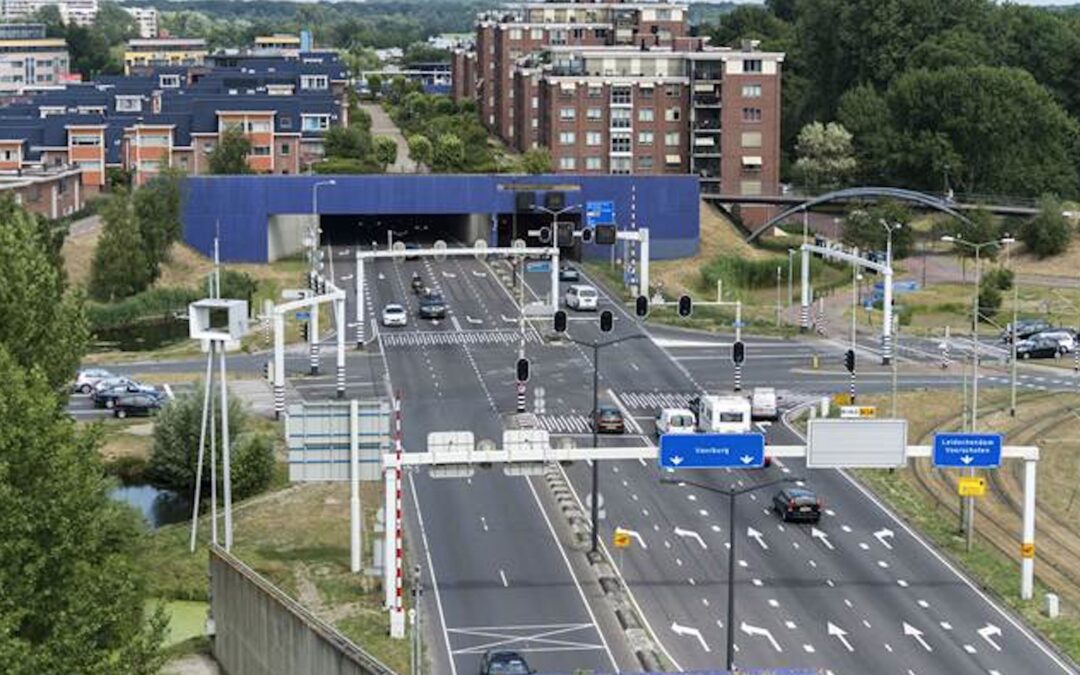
point(674, 421)
point(582, 297)
point(417, 284)
point(609, 420)
point(797, 504)
point(763, 404)
point(1065, 338)
point(110, 382)
point(394, 315)
point(86, 378)
point(1044, 348)
point(568, 273)
point(106, 398)
point(137, 404)
point(1025, 328)
point(504, 663)
point(412, 250)
point(432, 306)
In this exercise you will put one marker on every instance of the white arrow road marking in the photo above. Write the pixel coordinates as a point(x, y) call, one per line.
point(763, 632)
point(818, 534)
point(347, 277)
point(917, 634)
point(841, 635)
point(483, 523)
point(473, 321)
point(754, 534)
point(692, 632)
point(476, 273)
point(633, 533)
point(986, 631)
point(679, 532)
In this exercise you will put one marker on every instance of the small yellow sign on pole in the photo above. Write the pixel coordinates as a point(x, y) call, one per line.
point(841, 399)
point(971, 486)
point(621, 539)
point(1027, 550)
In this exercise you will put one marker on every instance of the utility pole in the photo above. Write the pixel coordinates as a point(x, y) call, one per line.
point(779, 307)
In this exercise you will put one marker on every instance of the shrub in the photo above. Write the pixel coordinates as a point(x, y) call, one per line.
point(989, 300)
point(252, 464)
point(1049, 232)
point(155, 302)
point(1000, 278)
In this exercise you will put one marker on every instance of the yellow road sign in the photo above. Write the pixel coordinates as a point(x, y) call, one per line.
point(971, 486)
point(621, 539)
point(1027, 550)
point(858, 411)
point(841, 399)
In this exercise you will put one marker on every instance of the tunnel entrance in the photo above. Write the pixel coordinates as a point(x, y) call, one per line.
point(422, 229)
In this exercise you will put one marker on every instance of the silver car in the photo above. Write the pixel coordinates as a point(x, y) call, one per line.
point(394, 315)
point(87, 378)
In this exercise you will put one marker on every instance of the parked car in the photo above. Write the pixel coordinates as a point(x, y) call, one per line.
point(1043, 348)
point(797, 504)
point(86, 378)
point(568, 273)
point(106, 398)
point(394, 315)
point(582, 297)
point(1065, 337)
point(417, 283)
point(504, 663)
point(609, 420)
point(114, 381)
point(137, 404)
point(432, 306)
point(1025, 328)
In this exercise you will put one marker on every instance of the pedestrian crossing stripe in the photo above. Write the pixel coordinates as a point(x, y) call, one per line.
point(465, 337)
point(654, 400)
point(564, 424)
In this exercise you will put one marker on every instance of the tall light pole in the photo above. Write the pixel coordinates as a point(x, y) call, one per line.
point(978, 247)
point(790, 277)
point(313, 254)
point(887, 334)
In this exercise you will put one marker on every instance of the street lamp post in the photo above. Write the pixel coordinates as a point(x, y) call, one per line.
point(554, 224)
point(731, 493)
point(887, 334)
point(313, 250)
point(790, 277)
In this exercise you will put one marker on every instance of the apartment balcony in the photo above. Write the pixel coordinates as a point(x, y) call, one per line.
point(708, 74)
point(706, 100)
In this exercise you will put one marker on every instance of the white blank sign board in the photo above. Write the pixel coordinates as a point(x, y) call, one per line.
point(856, 444)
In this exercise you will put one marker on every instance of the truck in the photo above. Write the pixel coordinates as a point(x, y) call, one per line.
point(763, 404)
point(721, 414)
point(674, 421)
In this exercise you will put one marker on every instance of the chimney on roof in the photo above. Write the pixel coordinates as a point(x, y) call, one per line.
point(750, 45)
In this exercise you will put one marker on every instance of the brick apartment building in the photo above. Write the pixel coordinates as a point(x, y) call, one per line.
point(623, 87)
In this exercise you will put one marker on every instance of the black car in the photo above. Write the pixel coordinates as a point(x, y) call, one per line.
point(417, 284)
point(412, 250)
point(1025, 328)
point(136, 404)
point(797, 504)
point(504, 663)
point(568, 273)
point(1039, 348)
point(432, 306)
point(106, 396)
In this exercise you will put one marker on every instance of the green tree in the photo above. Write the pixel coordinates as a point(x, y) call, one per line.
point(230, 155)
point(989, 300)
point(863, 227)
point(75, 592)
point(385, 151)
point(375, 84)
point(420, 149)
point(536, 161)
point(421, 52)
point(157, 211)
point(1048, 233)
point(979, 228)
point(825, 156)
point(345, 165)
point(44, 326)
point(349, 142)
point(959, 47)
point(114, 24)
point(120, 267)
point(448, 155)
point(865, 114)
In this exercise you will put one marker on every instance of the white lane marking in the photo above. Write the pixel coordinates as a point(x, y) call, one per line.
point(774, 603)
point(679, 532)
point(502, 575)
point(864, 546)
point(790, 625)
point(969, 649)
point(945, 625)
point(433, 577)
point(883, 535)
point(918, 635)
point(692, 582)
point(715, 528)
point(634, 534)
point(754, 534)
point(922, 603)
point(882, 564)
point(692, 632)
point(846, 529)
point(986, 631)
point(762, 632)
point(808, 648)
point(483, 523)
point(818, 534)
point(901, 583)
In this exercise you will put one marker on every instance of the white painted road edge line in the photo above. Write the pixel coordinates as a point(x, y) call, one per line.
point(433, 575)
point(570, 569)
point(948, 565)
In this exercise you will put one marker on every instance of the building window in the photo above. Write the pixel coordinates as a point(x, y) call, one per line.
point(594, 163)
point(645, 91)
point(645, 115)
point(150, 165)
point(620, 143)
point(567, 113)
point(567, 163)
point(751, 114)
point(594, 114)
point(89, 165)
point(620, 165)
point(751, 91)
point(645, 162)
point(260, 151)
point(671, 90)
point(286, 149)
point(85, 139)
point(567, 138)
point(672, 114)
point(671, 138)
point(534, 123)
point(663, 15)
point(751, 65)
point(645, 138)
point(536, 33)
point(620, 95)
point(315, 122)
point(594, 138)
point(620, 118)
point(751, 139)
point(750, 187)
point(128, 104)
point(535, 102)
point(169, 81)
point(259, 127)
point(595, 92)
point(515, 33)
point(183, 161)
point(314, 82)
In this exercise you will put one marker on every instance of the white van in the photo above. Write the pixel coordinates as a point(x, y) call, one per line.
point(674, 421)
point(582, 297)
point(763, 404)
point(723, 414)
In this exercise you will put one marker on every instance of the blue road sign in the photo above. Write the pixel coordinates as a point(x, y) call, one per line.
point(599, 213)
point(967, 450)
point(711, 451)
point(303, 316)
point(538, 266)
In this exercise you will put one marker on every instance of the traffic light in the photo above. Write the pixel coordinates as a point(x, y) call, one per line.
point(641, 306)
point(686, 306)
point(523, 370)
point(586, 235)
point(738, 351)
point(849, 360)
point(545, 235)
point(322, 285)
point(564, 234)
point(604, 235)
point(560, 321)
point(607, 321)
point(311, 281)
point(304, 331)
point(267, 370)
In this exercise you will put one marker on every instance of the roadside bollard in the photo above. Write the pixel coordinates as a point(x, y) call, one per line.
point(815, 362)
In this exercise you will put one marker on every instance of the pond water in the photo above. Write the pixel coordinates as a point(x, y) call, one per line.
point(142, 336)
point(159, 507)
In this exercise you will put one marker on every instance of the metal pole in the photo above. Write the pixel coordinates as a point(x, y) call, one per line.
point(213, 456)
point(854, 299)
point(1027, 559)
point(226, 460)
point(731, 583)
point(359, 299)
point(778, 304)
point(790, 277)
point(356, 544)
point(339, 317)
point(279, 364)
point(1012, 356)
point(595, 440)
point(887, 309)
point(202, 450)
point(969, 513)
point(804, 296)
point(313, 339)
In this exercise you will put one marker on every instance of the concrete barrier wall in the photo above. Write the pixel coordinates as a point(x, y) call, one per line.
point(258, 630)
